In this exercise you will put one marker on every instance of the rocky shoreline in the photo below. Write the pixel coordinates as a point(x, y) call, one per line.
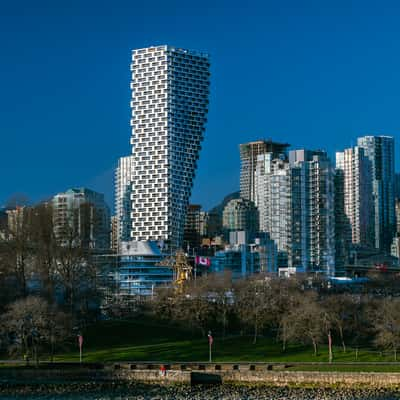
point(138, 391)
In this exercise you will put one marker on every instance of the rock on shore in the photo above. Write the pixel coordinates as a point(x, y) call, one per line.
point(135, 391)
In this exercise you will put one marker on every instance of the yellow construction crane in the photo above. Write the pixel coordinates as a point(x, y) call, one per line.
point(183, 271)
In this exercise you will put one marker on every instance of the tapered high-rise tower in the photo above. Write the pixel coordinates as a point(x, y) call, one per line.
point(170, 90)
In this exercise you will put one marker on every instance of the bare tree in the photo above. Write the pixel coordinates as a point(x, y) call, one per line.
point(44, 247)
point(305, 323)
point(17, 200)
point(16, 247)
point(253, 305)
point(220, 293)
point(386, 322)
point(340, 310)
point(162, 305)
point(193, 305)
point(75, 269)
point(284, 296)
point(31, 324)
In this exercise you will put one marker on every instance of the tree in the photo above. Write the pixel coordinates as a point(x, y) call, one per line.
point(305, 323)
point(361, 328)
point(75, 270)
point(17, 200)
point(386, 322)
point(44, 247)
point(284, 296)
point(194, 306)
point(340, 310)
point(252, 302)
point(219, 290)
point(162, 305)
point(16, 246)
point(31, 324)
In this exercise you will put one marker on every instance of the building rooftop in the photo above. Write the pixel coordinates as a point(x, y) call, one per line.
point(144, 248)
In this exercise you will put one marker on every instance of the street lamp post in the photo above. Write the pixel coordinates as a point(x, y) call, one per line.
point(210, 342)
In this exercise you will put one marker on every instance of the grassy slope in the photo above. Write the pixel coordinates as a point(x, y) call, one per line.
point(144, 341)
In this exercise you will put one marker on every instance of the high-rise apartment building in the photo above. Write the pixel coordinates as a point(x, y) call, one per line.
point(249, 153)
point(358, 200)
point(342, 225)
point(123, 206)
point(170, 90)
point(380, 152)
point(397, 186)
point(211, 224)
point(274, 203)
point(295, 200)
point(313, 220)
point(240, 215)
point(81, 217)
point(192, 234)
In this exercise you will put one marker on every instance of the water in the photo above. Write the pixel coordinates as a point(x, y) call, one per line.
point(154, 392)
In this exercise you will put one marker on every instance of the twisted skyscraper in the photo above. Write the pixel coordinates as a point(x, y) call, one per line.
point(170, 89)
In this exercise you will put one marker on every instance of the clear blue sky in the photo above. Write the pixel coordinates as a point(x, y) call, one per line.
point(316, 74)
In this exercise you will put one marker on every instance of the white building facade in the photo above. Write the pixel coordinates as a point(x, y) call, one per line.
point(313, 216)
point(295, 200)
point(274, 202)
point(358, 200)
point(123, 193)
point(170, 91)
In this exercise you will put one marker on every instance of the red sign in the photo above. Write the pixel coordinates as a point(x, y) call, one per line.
point(80, 341)
point(381, 267)
point(210, 339)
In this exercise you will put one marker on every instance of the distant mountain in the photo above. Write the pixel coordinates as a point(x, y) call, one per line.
point(220, 207)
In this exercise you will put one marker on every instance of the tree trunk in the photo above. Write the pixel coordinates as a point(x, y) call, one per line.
point(36, 353)
point(52, 350)
point(21, 271)
point(315, 347)
point(342, 339)
point(395, 354)
point(224, 324)
point(255, 333)
point(25, 349)
point(330, 346)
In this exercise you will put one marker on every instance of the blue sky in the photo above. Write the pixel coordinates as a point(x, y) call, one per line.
point(316, 74)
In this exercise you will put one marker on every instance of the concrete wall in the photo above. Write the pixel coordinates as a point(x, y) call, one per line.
point(288, 378)
point(170, 375)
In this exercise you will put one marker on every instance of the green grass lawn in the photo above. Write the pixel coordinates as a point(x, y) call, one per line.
point(347, 368)
point(143, 340)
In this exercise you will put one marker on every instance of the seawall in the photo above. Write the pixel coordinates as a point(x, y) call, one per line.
point(264, 374)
